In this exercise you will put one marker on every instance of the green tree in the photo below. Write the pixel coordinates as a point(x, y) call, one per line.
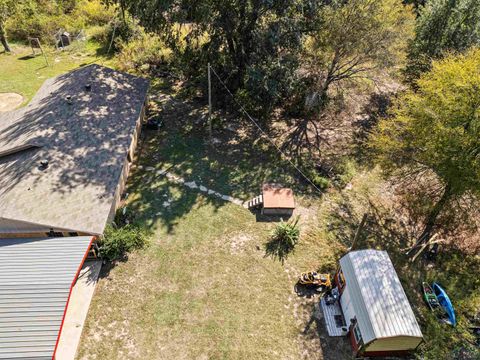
point(232, 34)
point(354, 40)
point(418, 4)
point(443, 26)
point(7, 8)
point(437, 130)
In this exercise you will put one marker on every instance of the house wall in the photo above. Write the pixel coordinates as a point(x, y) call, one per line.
point(20, 229)
point(127, 165)
point(353, 341)
point(389, 354)
point(397, 343)
point(277, 211)
point(347, 305)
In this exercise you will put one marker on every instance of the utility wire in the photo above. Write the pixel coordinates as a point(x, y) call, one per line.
point(263, 132)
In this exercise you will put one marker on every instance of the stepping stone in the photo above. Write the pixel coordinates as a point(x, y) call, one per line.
point(174, 177)
point(203, 188)
point(191, 184)
point(150, 168)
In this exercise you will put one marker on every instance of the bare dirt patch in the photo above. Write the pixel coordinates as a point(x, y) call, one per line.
point(239, 242)
point(10, 101)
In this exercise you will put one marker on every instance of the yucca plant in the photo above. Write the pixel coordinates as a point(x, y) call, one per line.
point(283, 239)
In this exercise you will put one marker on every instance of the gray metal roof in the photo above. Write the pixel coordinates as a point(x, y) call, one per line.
point(35, 279)
point(380, 303)
point(85, 143)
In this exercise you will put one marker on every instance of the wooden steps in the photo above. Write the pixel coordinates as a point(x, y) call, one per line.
point(256, 202)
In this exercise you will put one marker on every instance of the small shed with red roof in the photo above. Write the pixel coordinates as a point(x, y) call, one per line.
point(277, 200)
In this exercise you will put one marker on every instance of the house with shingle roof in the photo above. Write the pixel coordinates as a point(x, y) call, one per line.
point(64, 160)
point(65, 157)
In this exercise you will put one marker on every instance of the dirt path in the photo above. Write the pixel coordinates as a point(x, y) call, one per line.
point(10, 101)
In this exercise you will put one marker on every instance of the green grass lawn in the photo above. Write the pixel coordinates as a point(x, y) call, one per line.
point(23, 74)
point(204, 288)
point(201, 290)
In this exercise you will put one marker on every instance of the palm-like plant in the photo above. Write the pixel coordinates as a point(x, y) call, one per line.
point(283, 239)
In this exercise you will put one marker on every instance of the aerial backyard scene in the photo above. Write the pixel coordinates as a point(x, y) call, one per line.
point(242, 179)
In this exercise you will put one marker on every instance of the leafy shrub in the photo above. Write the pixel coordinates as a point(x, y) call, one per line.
point(117, 242)
point(314, 171)
point(347, 170)
point(42, 26)
point(99, 34)
point(94, 12)
point(283, 239)
point(268, 84)
point(142, 52)
point(321, 182)
point(121, 31)
point(43, 20)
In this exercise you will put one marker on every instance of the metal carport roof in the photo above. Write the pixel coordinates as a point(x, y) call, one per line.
point(36, 277)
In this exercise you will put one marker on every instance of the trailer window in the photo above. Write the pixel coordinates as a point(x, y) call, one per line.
point(357, 334)
point(341, 279)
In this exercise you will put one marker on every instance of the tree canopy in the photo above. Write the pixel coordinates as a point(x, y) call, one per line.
point(355, 38)
point(233, 32)
point(443, 26)
point(437, 128)
point(7, 8)
point(352, 40)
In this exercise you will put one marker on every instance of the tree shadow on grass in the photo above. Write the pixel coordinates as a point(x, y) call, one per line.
point(278, 248)
point(376, 109)
point(236, 165)
point(452, 267)
point(331, 348)
point(27, 57)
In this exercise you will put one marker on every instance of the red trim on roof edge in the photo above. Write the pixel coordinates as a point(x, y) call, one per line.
point(70, 293)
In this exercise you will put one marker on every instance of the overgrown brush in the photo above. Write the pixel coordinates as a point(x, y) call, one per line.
point(117, 242)
point(141, 52)
point(33, 19)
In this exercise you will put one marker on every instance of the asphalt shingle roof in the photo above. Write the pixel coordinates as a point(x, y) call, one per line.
point(85, 144)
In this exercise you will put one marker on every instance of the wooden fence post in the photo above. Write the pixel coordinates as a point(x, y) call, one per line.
point(359, 230)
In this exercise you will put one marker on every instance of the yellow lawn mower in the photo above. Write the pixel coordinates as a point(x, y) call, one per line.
point(312, 278)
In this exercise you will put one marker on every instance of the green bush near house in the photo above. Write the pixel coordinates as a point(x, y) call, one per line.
point(117, 242)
